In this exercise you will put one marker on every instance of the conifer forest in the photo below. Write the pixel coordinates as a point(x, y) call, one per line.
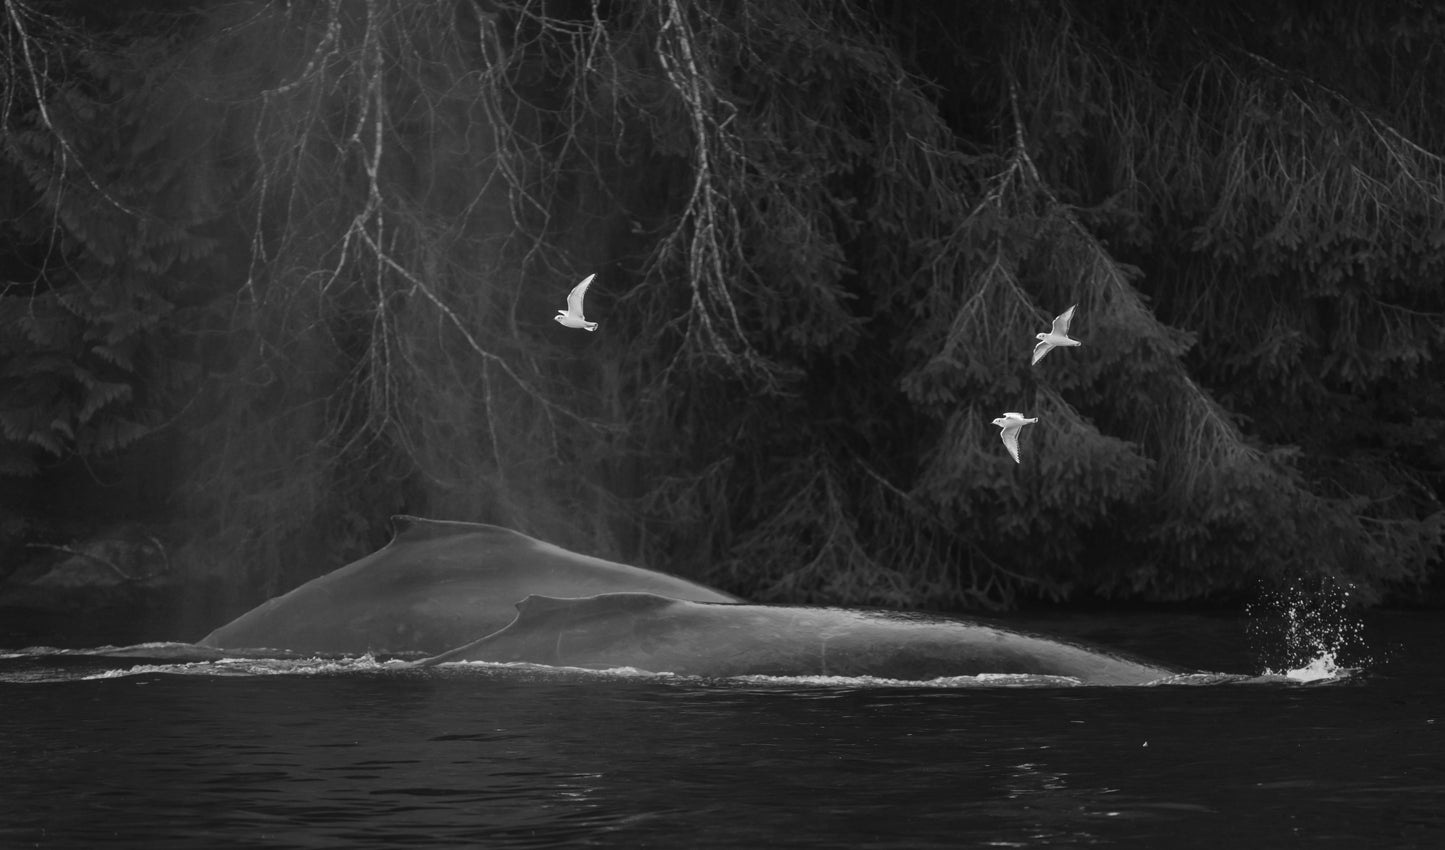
point(271, 272)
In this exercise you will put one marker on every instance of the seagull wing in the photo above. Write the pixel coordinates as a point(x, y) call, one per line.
point(1061, 324)
point(1041, 349)
point(1010, 435)
point(574, 298)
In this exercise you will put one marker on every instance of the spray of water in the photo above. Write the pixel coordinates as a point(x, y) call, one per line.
point(1308, 630)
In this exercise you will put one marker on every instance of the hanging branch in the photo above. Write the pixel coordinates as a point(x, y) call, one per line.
point(36, 70)
point(709, 218)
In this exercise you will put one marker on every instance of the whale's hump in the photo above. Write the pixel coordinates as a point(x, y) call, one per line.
point(415, 529)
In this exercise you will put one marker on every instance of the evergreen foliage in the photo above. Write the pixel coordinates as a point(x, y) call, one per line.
point(825, 234)
point(104, 217)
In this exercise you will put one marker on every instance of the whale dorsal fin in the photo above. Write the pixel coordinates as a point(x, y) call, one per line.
point(536, 605)
point(415, 529)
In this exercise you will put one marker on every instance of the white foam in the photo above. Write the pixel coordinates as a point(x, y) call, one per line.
point(256, 667)
point(991, 680)
point(1323, 668)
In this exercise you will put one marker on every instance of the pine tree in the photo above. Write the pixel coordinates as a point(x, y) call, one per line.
point(825, 234)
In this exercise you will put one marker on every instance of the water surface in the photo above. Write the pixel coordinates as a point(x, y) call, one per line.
point(359, 753)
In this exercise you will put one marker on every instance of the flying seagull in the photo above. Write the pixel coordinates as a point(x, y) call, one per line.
point(572, 316)
point(1058, 335)
point(1011, 423)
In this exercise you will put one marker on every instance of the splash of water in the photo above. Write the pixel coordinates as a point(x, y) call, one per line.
point(1323, 667)
point(1308, 631)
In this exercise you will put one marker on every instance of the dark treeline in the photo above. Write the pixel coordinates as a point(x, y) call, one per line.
point(274, 271)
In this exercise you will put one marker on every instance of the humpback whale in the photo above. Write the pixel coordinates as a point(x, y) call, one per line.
point(435, 586)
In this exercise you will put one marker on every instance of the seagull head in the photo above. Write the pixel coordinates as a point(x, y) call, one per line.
point(1040, 336)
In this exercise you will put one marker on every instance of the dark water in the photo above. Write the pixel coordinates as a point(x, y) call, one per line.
point(366, 754)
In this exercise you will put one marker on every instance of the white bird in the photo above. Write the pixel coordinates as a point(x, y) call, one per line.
point(1058, 335)
point(572, 317)
point(1011, 423)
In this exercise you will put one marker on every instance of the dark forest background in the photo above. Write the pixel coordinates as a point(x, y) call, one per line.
point(271, 272)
